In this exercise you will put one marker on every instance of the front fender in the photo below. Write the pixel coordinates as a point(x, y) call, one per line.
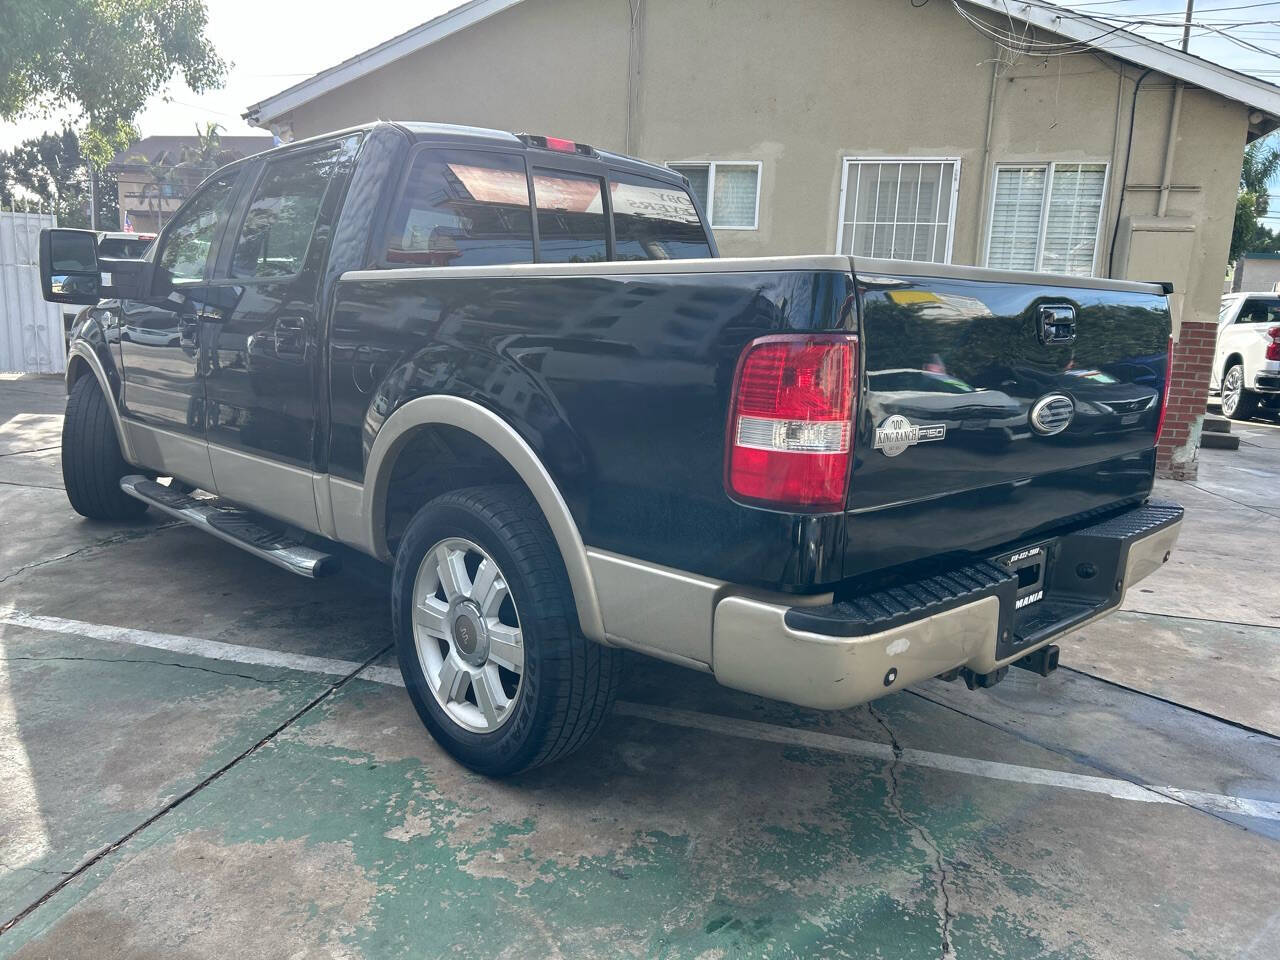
point(89, 353)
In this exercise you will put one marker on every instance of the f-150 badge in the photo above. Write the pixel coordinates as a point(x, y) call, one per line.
point(896, 433)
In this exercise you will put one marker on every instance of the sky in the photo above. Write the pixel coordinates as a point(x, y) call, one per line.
point(273, 44)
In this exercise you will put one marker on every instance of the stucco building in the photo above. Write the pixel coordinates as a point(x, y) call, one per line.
point(1022, 136)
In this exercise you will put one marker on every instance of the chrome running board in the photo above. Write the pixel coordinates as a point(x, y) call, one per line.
point(248, 531)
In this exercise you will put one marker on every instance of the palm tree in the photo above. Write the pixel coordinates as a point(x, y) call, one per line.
point(160, 184)
point(1260, 166)
point(207, 154)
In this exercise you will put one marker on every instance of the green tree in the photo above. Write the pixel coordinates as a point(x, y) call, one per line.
point(102, 58)
point(1260, 166)
point(50, 171)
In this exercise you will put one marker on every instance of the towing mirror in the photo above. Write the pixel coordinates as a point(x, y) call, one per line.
point(69, 266)
point(72, 272)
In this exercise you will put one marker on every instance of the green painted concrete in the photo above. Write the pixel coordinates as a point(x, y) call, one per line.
point(99, 736)
point(351, 836)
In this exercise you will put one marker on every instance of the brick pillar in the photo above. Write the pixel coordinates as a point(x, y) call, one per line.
point(1188, 393)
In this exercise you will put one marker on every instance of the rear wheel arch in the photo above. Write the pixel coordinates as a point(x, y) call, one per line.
point(515, 462)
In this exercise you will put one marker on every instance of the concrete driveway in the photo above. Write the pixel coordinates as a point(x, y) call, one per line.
point(202, 756)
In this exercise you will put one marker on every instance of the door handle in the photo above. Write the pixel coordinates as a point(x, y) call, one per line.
point(1056, 323)
point(290, 338)
point(188, 331)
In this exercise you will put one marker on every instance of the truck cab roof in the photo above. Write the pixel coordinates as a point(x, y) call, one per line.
point(422, 131)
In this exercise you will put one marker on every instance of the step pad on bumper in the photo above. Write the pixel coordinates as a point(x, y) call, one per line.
point(1086, 567)
point(885, 609)
point(258, 535)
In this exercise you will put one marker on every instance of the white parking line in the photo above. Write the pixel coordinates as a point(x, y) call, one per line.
point(197, 647)
point(671, 716)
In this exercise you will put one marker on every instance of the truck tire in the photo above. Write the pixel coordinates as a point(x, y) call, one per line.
point(1238, 402)
point(493, 658)
point(92, 464)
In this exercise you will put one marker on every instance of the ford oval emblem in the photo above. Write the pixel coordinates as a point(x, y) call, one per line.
point(1051, 414)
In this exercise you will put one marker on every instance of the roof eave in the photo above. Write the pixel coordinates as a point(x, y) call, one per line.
point(459, 18)
point(1142, 51)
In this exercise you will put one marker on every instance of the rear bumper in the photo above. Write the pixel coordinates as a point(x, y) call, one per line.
point(842, 654)
point(1267, 382)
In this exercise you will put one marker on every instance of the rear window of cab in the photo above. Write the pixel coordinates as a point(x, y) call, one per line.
point(474, 208)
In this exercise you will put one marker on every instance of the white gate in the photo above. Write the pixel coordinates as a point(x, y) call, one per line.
point(31, 336)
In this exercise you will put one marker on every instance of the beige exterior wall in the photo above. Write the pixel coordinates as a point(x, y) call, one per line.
point(802, 85)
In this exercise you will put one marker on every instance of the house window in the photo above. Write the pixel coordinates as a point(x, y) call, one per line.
point(900, 209)
point(728, 191)
point(1046, 217)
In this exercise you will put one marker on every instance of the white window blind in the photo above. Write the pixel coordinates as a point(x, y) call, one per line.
point(1015, 218)
point(728, 192)
point(1046, 217)
point(901, 209)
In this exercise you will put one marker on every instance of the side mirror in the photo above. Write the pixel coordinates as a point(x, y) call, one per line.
point(69, 266)
point(72, 272)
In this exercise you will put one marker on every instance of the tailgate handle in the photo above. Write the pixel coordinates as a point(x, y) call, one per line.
point(1056, 323)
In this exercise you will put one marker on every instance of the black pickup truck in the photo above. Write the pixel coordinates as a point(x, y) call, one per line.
point(513, 367)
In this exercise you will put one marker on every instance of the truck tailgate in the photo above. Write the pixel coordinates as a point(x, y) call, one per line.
point(994, 407)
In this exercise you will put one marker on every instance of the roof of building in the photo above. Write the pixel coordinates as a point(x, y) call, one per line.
point(1085, 30)
point(1260, 255)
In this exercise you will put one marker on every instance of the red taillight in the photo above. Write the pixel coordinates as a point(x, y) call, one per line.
point(790, 438)
point(1168, 387)
point(1273, 348)
point(561, 144)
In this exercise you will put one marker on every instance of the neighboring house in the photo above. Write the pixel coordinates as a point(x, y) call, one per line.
point(877, 127)
point(155, 174)
point(1257, 271)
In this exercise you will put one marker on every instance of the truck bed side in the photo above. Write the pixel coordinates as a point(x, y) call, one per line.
point(618, 375)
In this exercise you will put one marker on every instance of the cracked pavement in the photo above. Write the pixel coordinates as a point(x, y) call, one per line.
point(174, 805)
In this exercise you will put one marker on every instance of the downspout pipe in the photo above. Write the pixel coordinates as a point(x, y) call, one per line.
point(981, 226)
point(1166, 178)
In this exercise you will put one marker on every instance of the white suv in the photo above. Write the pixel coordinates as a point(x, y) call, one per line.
point(1246, 363)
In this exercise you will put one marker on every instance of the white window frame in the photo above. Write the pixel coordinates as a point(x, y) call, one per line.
point(711, 187)
point(1048, 167)
point(846, 162)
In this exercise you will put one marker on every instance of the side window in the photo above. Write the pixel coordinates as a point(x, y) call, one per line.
point(462, 208)
point(277, 227)
point(190, 237)
point(1260, 310)
point(654, 220)
point(571, 222)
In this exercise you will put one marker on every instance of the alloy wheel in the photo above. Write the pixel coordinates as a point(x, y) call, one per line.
point(1232, 385)
point(467, 634)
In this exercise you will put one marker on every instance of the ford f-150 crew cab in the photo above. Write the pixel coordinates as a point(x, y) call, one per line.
point(513, 368)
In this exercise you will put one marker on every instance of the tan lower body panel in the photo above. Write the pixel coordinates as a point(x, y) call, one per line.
point(170, 454)
point(754, 650)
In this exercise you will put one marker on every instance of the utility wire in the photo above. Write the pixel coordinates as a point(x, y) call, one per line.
point(1018, 44)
